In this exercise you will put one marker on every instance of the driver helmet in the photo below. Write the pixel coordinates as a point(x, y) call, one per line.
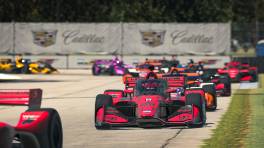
point(152, 75)
point(174, 71)
point(191, 61)
point(115, 59)
point(179, 90)
point(200, 72)
point(151, 67)
point(214, 76)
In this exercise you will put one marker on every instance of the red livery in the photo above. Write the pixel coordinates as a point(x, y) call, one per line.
point(180, 81)
point(36, 128)
point(150, 104)
point(239, 72)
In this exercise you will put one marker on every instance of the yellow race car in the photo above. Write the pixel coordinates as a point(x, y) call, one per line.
point(39, 67)
point(6, 65)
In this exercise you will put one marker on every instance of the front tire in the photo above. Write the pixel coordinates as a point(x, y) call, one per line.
point(102, 101)
point(197, 100)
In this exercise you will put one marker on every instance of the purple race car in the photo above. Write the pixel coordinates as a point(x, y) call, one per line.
point(110, 67)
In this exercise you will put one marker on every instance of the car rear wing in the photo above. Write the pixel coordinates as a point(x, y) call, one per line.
point(175, 81)
point(130, 81)
point(25, 97)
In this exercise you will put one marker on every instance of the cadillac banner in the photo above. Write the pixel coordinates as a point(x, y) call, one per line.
point(178, 38)
point(110, 38)
point(67, 38)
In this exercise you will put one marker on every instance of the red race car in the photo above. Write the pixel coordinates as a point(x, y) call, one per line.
point(152, 105)
point(239, 72)
point(36, 128)
point(176, 81)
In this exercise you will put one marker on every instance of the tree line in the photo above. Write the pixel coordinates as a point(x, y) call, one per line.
point(131, 10)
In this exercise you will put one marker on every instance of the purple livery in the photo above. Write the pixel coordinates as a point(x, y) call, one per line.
point(111, 67)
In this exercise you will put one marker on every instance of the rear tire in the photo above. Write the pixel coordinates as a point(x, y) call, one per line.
point(95, 72)
point(52, 69)
point(126, 71)
point(254, 77)
point(51, 136)
point(211, 89)
point(6, 136)
point(237, 79)
point(227, 83)
point(25, 69)
point(112, 71)
point(197, 100)
point(102, 100)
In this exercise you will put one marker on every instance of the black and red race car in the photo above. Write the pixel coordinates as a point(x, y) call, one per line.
point(222, 83)
point(177, 80)
point(239, 72)
point(36, 128)
point(151, 105)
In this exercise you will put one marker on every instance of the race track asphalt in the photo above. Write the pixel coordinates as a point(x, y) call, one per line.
point(73, 93)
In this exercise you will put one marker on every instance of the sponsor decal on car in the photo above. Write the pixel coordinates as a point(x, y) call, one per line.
point(148, 99)
point(146, 111)
point(147, 104)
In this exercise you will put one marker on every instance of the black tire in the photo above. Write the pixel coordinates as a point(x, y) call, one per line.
point(251, 72)
point(25, 69)
point(194, 99)
point(51, 136)
point(115, 90)
point(227, 83)
point(6, 136)
point(102, 100)
point(197, 100)
point(126, 71)
point(112, 70)
point(238, 77)
point(28, 140)
point(211, 89)
point(15, 70)
point(254, 77)
point(94, 70)
point(52, 69)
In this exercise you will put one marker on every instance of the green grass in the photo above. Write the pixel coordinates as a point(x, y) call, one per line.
point(243, 123)
point(254, 139)
point(233, 126)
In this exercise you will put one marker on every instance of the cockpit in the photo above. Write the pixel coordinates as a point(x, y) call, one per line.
point(151, 87)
